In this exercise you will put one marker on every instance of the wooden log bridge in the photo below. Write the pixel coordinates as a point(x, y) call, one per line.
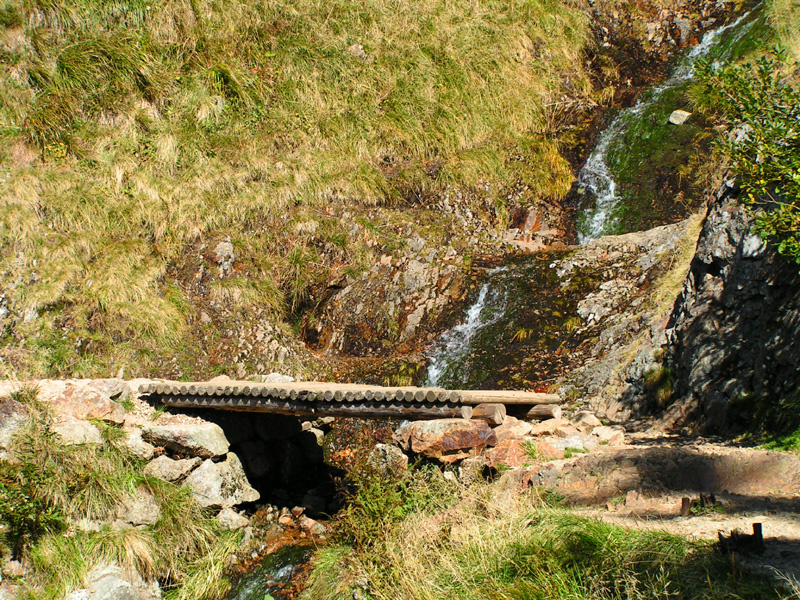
point(345, 399)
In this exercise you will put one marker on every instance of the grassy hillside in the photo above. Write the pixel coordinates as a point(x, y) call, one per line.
point(134, 137)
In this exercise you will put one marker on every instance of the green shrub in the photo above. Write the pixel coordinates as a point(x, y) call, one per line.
point(376, 501)
point(49, 487)
point(25, 508)
point(761, 106)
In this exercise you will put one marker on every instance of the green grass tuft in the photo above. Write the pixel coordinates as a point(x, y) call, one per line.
point(51, 493)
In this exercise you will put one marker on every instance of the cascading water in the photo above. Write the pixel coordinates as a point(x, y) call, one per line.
point(596, 176)
point(448, 362)
point(515, 334)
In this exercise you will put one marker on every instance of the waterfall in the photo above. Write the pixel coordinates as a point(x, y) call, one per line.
point(596, 177)
point(448, 362)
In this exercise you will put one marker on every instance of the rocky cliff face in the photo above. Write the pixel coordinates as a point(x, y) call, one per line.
point(734, 335)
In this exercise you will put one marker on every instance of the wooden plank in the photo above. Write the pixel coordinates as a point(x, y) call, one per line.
point(507, 397)
point(339, 392)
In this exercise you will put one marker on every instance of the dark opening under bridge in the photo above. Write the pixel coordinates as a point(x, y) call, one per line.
point(352, 400)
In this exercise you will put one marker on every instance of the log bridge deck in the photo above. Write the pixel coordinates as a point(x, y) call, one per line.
point(348, 400)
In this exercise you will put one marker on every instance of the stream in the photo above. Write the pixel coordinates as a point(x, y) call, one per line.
point(517, 331)
point(648, 120)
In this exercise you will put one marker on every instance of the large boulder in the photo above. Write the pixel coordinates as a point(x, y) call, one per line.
point(164, 467)
point(221, 484)
point(84, 399)
point(447, 440)
point(206, 440)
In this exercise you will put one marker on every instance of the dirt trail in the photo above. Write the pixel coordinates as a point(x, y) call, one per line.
point(642, 483)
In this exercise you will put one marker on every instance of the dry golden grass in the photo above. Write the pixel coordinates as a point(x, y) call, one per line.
point(131, 134)
point(498, 544)
point(785, 18)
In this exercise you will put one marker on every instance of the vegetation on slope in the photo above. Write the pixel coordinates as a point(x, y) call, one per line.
point(51, 494)
point(759, 102)
point(489, 542)
point(136, 136)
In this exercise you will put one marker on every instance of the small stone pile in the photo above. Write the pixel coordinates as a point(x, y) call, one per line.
point(514, 443)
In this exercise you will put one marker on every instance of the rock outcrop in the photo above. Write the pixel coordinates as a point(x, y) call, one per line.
point(221, 484)
point(390, 304)
point(206, 440)
point(448, 440)
point(734, 336)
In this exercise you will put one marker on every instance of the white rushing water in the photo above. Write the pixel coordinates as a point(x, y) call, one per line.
point(453, 347)
point(595, 175)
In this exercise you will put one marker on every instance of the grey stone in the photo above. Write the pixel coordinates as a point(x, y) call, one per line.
point(312, 527)
point(277, 378)
point(139, 508)
point(75, 431)
point(231, 520)
point(107, 583)
point(387, 460)
point(137, 446)
point(612, 435)
point(84, 399)
point(222, 484)
point(171, 470)
point(357, 50)
point(110, 582)
point(585, 421)
point(679, 117)
point(206, 440)
point(470, 470)
point(224, 255)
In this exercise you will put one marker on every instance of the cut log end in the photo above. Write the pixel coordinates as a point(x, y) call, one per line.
point(493, 414)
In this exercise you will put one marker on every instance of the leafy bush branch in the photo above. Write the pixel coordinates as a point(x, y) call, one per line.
point(762, 107)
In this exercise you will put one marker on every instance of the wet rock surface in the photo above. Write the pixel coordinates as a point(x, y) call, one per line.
point(391, 304)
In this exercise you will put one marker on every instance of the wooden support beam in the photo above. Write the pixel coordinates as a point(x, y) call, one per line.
point(507, 397)
point(493, 414)
point(540, 412)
